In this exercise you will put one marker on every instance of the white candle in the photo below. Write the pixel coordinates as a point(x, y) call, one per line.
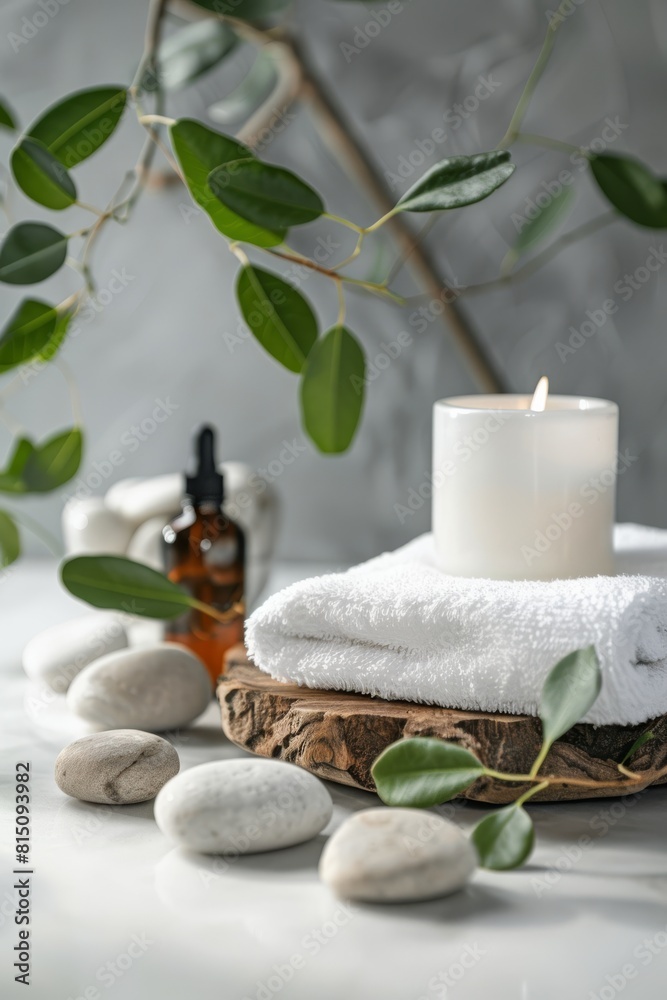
point(524, 487)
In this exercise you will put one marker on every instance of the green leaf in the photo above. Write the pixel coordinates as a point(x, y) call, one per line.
point(457, 181)
point(41, 176)
point(199, 150)
point(123, 585)
point(264, 194)
point(245, 10)
point(568, 692)
point(43, 467)
point(190, 52)
point(504, 839)
point(545, 221)
point(11, 477)
point(75, 128)
point(423, 772)
point(31, 252)
point(53, 463)
point(332, 390)
point(7, 119)
point(644, 738)
point(10, 541)
point(31, 329)
point(632, 189)
point(278, 315)
point(55, 343)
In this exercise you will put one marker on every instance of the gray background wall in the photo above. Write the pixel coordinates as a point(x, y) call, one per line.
point(173, 331)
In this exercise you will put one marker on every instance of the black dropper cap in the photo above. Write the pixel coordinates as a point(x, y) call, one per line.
point(206, 486)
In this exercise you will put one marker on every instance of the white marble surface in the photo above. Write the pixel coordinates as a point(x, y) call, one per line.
point(220, 931)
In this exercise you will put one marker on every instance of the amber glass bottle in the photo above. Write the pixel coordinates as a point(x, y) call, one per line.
point(205, 554)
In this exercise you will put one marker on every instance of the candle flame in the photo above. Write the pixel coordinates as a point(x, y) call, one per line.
point(539, 400)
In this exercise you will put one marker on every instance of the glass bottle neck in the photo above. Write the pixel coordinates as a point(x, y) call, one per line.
point(201, 506)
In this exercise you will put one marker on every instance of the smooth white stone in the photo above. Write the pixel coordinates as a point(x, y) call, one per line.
point(138, 500)
point(88, 526)
point(56, 655)
point(393, 855)
point(242, 807)
point(117, 767)
point(158, 687)
point(113, 498)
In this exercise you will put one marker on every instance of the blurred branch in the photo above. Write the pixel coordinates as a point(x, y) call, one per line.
point(340, 136)
point(540, 259)
point(285, 92)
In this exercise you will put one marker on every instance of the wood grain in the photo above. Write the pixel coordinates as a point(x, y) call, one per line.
point(337, 736)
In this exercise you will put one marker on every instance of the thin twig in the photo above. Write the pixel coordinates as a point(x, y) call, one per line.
point(45, 537)
point(538, 69)
point(370, 286)
point(538, 261)
point(548, 143)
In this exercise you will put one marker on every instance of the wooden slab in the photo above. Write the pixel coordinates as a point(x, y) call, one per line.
point(337, 736)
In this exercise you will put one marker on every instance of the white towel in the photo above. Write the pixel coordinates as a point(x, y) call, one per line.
point(398, 628)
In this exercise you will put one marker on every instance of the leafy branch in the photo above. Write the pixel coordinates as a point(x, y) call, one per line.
point(422, 772)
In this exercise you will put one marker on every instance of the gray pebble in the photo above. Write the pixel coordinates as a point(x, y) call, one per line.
point(117, 767)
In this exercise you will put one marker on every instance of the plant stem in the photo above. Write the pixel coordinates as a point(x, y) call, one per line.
point(88, 208)
point(646, 778)
point(381, 221)
point(502, 776)
point(156, 120)
point(628, 774)
point(344, 222)
point(531, 791)
point(371, 286)
point(539, 760)
point(47, 539)
point(535, 263)
point(352, 256)
point(296, 258)
point(534, 78)
point(143, 164)
point(224, 617)
point(240, 254)
point(543, 140)
point(148, 63)
point(340, 319)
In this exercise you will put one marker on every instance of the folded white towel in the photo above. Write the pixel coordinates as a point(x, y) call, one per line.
point(398, 628)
